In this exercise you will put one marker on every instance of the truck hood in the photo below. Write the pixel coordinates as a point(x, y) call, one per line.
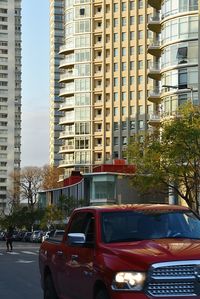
point(141, 254)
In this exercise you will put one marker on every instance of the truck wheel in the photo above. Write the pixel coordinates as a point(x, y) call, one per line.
point(49, 290)
point(102, 294)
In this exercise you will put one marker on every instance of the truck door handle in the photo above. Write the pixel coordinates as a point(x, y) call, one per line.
point(74, 257)
point(59, 253)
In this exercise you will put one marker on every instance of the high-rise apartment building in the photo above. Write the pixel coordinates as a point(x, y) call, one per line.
point(56, 40)
point(104, 83)
point(175, 52)
point(10, 95)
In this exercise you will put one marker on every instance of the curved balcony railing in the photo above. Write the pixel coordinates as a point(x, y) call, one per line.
point(66, 134)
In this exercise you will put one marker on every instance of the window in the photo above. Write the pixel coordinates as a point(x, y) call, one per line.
point(123, 51)
point(115, 111)
point(140, 79)
point(131, 80)
point(140, 64)
point(115, 96)
point(123, 110)
point(132, 110)
point(115, 7)
point(123, 66)
point(131, 95)
point(140, 3)
point(124, 125)
point(115, 37)
point(140, 19)
point(115, 52)
point(132, 34)
point(132, 20)
point(115, 81)
point(123, 21)
point(131, 50)
point(123, 36)
point(132, 65)
point(123, 6)
point(124, 140)
point(116, 126)
point(141, 124)
point(123, 81)
point(115, 22)
point(115, 140)
point(132, 124)
point(123, 96)
point(115, 67)
point(182, 55)
point(182, 78)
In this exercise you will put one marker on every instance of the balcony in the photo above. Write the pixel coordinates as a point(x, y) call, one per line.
point(154, 119)
point(66, 163)
point(66, 134)
point(67, 119)
point(154, 23)
point(154, 48)
point(68, 104)
point(69, 47)
point(154, 96)
point(154, 71)
point(68, 75)
point(66, 90)
point(68, 61)
point(67, 148)
point(155, 3)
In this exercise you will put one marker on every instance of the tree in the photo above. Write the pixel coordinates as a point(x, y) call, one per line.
point(52, 214)
point(170, 160)
point(68, 203)
point(51, 177)
point(28, 182)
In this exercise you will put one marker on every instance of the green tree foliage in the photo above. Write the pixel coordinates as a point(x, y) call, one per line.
point(52, 214)
point(21, 218)
point(170, 158)
point(68, 203)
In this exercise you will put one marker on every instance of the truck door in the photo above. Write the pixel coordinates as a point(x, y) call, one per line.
point(85, 272)
point(78, 263)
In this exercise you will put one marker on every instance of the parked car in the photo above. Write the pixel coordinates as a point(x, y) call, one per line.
point(27, 236)
point(55, 234)
point(2, 236)
point(36, 236)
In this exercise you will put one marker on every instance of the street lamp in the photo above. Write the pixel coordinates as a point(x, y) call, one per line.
point(176, 87)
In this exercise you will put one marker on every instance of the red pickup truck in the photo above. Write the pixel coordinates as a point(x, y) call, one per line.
point(124, 252)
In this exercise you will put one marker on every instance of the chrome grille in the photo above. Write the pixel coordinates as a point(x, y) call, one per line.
point(179, 270)
point(171, 289)
point(177, 279)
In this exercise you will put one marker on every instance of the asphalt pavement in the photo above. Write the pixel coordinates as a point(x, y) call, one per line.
point(19, 271)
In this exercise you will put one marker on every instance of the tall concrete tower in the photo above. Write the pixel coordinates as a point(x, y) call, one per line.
point(103, 80)
point(10, 95)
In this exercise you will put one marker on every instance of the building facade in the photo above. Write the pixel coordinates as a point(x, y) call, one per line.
point(56, 40)
point(175, 55)
point(10, 96)
point(104, 84)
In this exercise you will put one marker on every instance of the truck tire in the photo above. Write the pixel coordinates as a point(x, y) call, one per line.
point(49, 289)
point(102, 294)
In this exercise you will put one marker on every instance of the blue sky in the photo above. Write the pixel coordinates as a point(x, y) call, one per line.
point(35, 82)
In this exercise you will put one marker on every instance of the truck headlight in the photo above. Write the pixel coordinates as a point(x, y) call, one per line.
point(132, 281)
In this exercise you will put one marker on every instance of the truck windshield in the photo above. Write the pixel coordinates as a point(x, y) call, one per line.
point(128, 226)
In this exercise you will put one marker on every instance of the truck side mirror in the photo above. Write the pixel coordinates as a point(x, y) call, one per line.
point(76, 238)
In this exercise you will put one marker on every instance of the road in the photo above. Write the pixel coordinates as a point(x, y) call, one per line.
point(19, 272)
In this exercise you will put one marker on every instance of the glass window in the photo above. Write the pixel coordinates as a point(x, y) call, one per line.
point(123, 51)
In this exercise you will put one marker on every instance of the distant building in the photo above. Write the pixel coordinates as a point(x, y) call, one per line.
point(103, 80)
point(107, 184)
point(175, 52)
point(10, 95)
